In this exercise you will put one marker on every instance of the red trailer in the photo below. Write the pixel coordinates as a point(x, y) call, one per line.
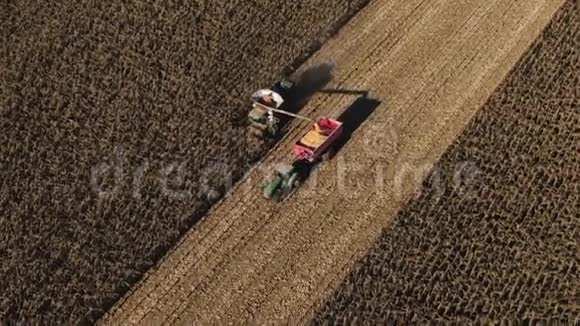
point(318, 140)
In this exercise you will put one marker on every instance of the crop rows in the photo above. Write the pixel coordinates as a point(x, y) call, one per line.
point(121, 122)
point(504, 245)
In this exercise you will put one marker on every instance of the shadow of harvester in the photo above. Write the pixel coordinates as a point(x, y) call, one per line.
point(308, 83)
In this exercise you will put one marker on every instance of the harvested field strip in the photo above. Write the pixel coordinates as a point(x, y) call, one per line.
point(503, 241)
point(253, 260)
point(120, 122)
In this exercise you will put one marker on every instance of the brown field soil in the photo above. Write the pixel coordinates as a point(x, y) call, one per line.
point(117, 121)
point(503, 243)
point(429, 66)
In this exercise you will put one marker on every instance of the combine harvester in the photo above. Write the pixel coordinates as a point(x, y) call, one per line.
point(315, 146)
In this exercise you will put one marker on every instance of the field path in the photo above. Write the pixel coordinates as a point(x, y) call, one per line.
point(429, 64)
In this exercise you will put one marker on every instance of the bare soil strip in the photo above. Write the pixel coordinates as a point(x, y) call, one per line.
point(495, 231)
point(431, 65)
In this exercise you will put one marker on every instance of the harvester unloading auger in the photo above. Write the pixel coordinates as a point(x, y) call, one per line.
point(314, 146)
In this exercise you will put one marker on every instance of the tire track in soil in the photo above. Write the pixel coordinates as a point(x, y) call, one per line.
point(225, 260)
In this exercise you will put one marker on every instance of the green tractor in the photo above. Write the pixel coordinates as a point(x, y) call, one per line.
point(286, 179)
